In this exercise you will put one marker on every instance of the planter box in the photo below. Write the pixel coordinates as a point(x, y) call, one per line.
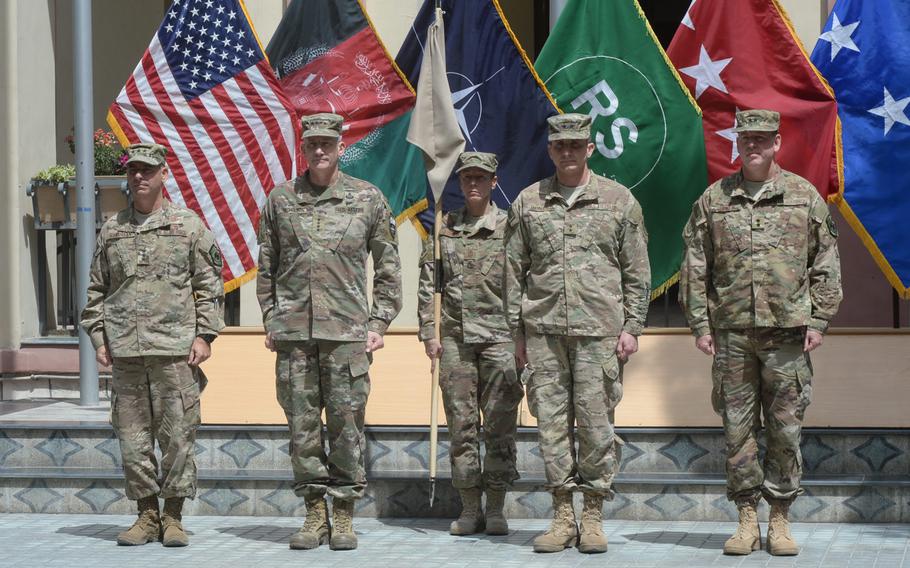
point(54, 206)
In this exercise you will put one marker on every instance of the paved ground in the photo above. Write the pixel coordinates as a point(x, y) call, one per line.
point(73, 541)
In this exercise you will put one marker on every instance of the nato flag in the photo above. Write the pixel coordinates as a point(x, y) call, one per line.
point(499, 101)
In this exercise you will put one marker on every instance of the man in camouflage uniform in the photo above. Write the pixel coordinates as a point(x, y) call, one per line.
point(759, 282)
point(315, 235)
point(577, 285)
point(477, 357)
point(154, 306)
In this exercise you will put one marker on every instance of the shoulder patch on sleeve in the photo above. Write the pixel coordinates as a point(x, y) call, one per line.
point(215, 256)
point(832, 228)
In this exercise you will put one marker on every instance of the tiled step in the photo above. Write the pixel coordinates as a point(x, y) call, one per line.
point(269, 493)
point(404, 450)
point(666, 474)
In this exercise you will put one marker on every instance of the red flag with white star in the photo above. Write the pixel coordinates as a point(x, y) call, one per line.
point(744, 54)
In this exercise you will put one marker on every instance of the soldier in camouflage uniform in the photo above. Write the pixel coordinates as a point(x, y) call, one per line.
point(477, 357)
point(577, 285)
point(759, 282)
point(154, 306)
point(315, 235)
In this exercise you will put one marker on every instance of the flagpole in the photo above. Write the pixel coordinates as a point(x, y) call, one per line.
point(434, 383)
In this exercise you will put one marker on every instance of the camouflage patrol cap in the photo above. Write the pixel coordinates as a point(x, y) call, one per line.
point(483, 160)
point(151, 154)
point(322, 124)
point(757, 121)
point(569, 126)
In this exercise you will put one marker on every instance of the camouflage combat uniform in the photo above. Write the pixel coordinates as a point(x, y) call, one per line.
point(153, 289)
point(575, 278)
point(312, 287)
point(477, 373)
point(756, 273)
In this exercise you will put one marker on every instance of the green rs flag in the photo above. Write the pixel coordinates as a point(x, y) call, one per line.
point(603, 59)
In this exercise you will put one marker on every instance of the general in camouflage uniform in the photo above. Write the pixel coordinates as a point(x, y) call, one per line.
point(315, 234)
point(477, 373)
point(577, 283)
point(155, 300)
point(759, 282)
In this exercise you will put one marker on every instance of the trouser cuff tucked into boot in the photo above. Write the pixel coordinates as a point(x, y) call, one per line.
point(592, 538)
point(563, 532)
point(343, 537)
point(471, 519)
point(747, 537)
point(494, 518)
point(780, 541)
point(316, 529)
point(147, 527)
point(172, 533)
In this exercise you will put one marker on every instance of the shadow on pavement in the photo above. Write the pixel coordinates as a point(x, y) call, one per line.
point(101, 532)
point(260, 533)
point(703, 541)
point(428, 525)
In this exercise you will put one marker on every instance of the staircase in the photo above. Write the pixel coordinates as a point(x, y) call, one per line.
point(74, 466)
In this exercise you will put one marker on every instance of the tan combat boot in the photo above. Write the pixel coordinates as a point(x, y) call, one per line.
point(172, 533)
point(748, 535)
point(147, 527)
point(494, 518)
point(780, 541)
point(343, 537)
point(592, 539)
point(315, 530)
point(471, 519)
point(563, 531)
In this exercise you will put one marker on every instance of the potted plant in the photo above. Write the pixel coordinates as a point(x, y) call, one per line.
point(53, 202)
point(110, 166)
point(53, 206)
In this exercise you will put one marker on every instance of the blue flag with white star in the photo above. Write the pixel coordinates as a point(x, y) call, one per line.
point(863, 53)
point(500, 103)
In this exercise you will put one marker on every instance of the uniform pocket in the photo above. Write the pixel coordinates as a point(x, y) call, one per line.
point(359, 365)
point(537, 385)
point(302, 235)
point(122, 258)
point(190, 397)
point(612, 370)
point(717, 387)
point(804, 382)
point(283, 379)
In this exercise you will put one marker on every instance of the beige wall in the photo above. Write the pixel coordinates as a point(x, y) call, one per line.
point(667, 384)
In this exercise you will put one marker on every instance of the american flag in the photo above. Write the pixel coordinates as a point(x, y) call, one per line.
point(205, 90)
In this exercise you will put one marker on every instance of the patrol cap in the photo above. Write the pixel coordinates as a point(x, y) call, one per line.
point(483, 160)
point(151, 154)
point(570, 126)
point(757, 121)
point(322, 124)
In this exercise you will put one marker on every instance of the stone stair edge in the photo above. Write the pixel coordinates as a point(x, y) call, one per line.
point(12, 425)
point(623, 478)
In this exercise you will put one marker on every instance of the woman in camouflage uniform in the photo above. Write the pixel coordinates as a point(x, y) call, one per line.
point(476, 353)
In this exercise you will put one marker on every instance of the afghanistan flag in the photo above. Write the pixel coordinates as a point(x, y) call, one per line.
point(603, 59)
point(499, 101)
point(328, 58)
point(864, 56)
